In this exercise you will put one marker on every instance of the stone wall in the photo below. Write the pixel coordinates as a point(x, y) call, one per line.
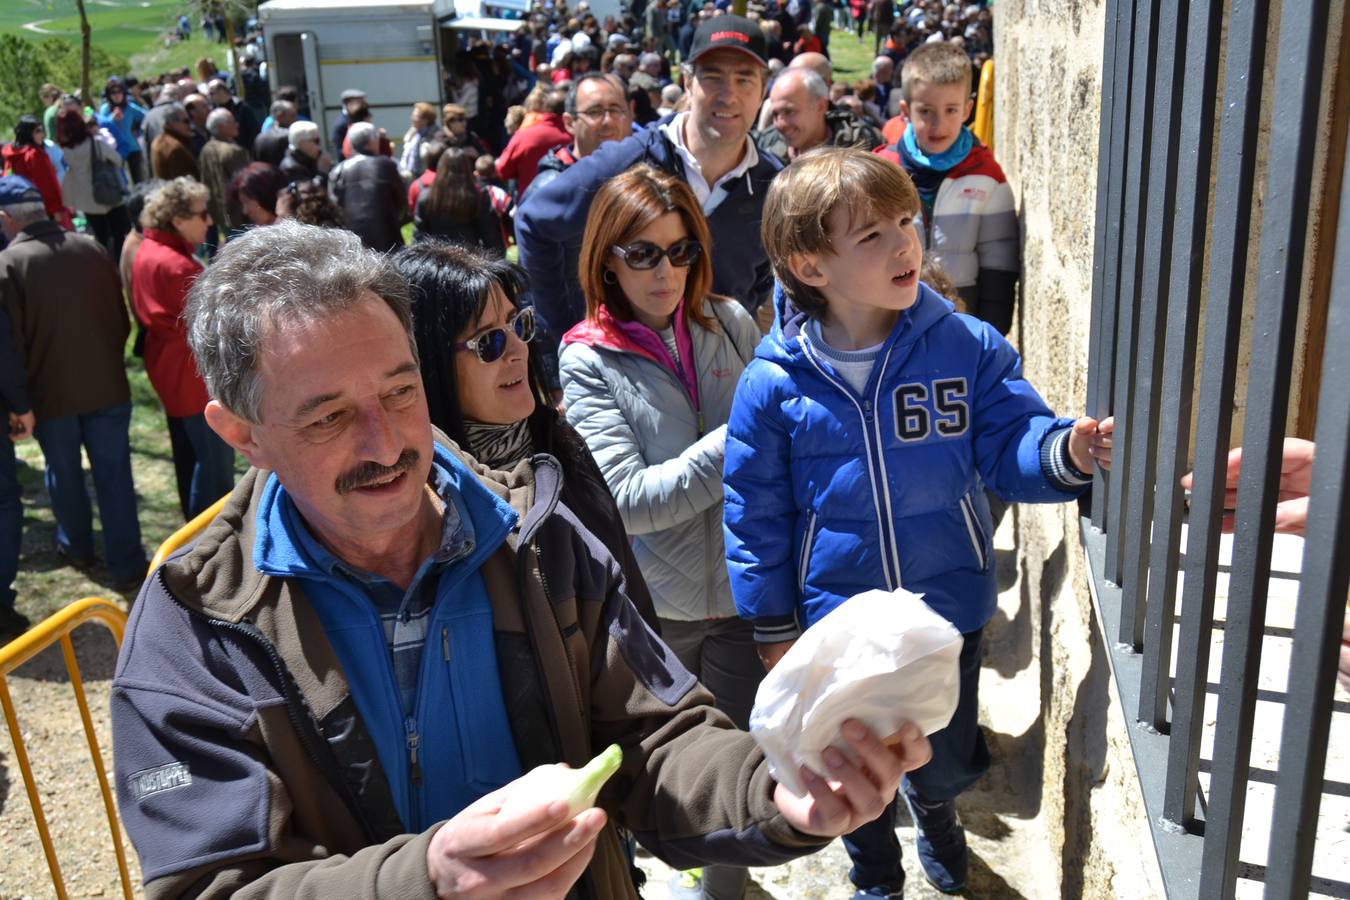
point(1048, 90)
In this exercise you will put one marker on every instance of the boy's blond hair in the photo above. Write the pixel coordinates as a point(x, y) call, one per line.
point(802, 196)
point(940, 62)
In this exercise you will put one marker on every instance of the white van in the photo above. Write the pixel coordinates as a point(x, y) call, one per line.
point(397, 51)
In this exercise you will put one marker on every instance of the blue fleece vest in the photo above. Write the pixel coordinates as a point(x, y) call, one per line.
point(456, 745)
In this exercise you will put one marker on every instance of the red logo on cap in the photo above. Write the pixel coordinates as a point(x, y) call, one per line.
point(729, 35)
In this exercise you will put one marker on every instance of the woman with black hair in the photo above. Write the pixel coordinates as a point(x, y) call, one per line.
point(454, 208)
point(122, 116)
point(27, 156)
point(484, 390)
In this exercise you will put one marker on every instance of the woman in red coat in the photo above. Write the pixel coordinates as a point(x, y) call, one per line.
point(28, 157)
point(175, 220)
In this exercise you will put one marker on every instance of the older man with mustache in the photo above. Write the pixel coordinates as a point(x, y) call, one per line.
point(334, 691)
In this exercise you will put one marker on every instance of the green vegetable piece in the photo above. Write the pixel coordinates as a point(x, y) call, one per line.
point(579, 787)
point(592, 777)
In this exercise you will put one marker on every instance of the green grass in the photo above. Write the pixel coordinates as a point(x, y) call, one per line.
point(46, 583)
point(852, 60)
point(134, 29)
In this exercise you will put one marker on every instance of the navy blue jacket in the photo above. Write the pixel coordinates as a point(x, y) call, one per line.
point(551, 221)
point(829, 493)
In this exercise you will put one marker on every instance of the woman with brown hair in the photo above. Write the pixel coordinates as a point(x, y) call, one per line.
point(81, 145)
point(648, 378)
point(455, 131)
point(455, 209)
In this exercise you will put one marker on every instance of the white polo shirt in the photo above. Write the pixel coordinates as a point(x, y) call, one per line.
point(709, 197)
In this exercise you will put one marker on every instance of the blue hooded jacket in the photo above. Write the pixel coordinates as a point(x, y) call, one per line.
point(128, 129)
point(551, 222)
point(829, 492)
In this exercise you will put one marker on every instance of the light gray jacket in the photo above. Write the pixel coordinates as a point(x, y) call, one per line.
point(664, 470)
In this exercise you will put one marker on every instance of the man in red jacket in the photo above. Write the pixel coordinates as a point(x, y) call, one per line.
point(520, 158)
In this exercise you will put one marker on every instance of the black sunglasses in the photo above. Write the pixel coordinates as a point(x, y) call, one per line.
point(490, 345)
point(642, 255)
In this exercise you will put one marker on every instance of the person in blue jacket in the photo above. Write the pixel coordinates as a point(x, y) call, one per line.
point(708, 146)
point(861, 441)
point(122, 116)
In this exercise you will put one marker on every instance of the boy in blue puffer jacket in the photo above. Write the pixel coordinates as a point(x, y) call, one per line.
point(861, 440)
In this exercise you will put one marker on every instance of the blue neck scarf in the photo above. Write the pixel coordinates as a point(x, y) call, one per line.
point(943, 161)
point(927, 171)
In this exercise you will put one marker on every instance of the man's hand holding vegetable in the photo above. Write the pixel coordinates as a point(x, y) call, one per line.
point(534, 837)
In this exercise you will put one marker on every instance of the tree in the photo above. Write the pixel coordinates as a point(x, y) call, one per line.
point(232, 10)
point(22, 71)
point(26, 65)
point(84, 53)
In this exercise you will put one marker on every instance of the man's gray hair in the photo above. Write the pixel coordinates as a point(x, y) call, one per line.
point(880, 62)
point(25, 214)
point(285, 274)
point(816, 88)
point(361, 134)
point(279, 107)
point(649, 58)
point(218, 117)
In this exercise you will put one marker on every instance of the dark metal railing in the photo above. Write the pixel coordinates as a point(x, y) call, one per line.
point(1159, 199)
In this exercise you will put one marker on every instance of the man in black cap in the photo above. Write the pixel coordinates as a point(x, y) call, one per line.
point(708, 146)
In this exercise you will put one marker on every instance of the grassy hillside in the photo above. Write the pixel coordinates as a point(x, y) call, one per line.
point(120, 27)
point(134, 30)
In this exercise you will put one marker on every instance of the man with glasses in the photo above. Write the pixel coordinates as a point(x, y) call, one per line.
point(708, 146)
point(335, 691)
point(596, 111)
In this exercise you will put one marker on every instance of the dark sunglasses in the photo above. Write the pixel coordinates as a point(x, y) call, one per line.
point(642, 255)
point(490, 345)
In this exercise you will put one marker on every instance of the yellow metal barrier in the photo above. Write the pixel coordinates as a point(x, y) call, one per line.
point(57, 628)
point(984, 106)
point(185, 534)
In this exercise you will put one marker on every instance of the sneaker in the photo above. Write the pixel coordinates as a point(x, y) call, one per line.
point(13, 622)
point(686, 885)
point(940, 842)
point(877, 894)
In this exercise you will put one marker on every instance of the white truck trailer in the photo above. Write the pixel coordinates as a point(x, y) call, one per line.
point(397, 51)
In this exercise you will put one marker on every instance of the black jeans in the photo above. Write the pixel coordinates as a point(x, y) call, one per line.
point(111, 229)
point(960, 758)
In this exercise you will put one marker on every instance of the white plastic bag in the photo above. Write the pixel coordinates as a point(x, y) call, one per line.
point(881, 657)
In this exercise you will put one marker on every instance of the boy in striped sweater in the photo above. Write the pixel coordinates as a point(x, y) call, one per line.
point(969, 223)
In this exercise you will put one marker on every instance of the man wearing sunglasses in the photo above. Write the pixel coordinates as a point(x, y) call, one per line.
point(335, 690)
point(708, 146)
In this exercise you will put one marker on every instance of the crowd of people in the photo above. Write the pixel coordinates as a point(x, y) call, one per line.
point(503, 513)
